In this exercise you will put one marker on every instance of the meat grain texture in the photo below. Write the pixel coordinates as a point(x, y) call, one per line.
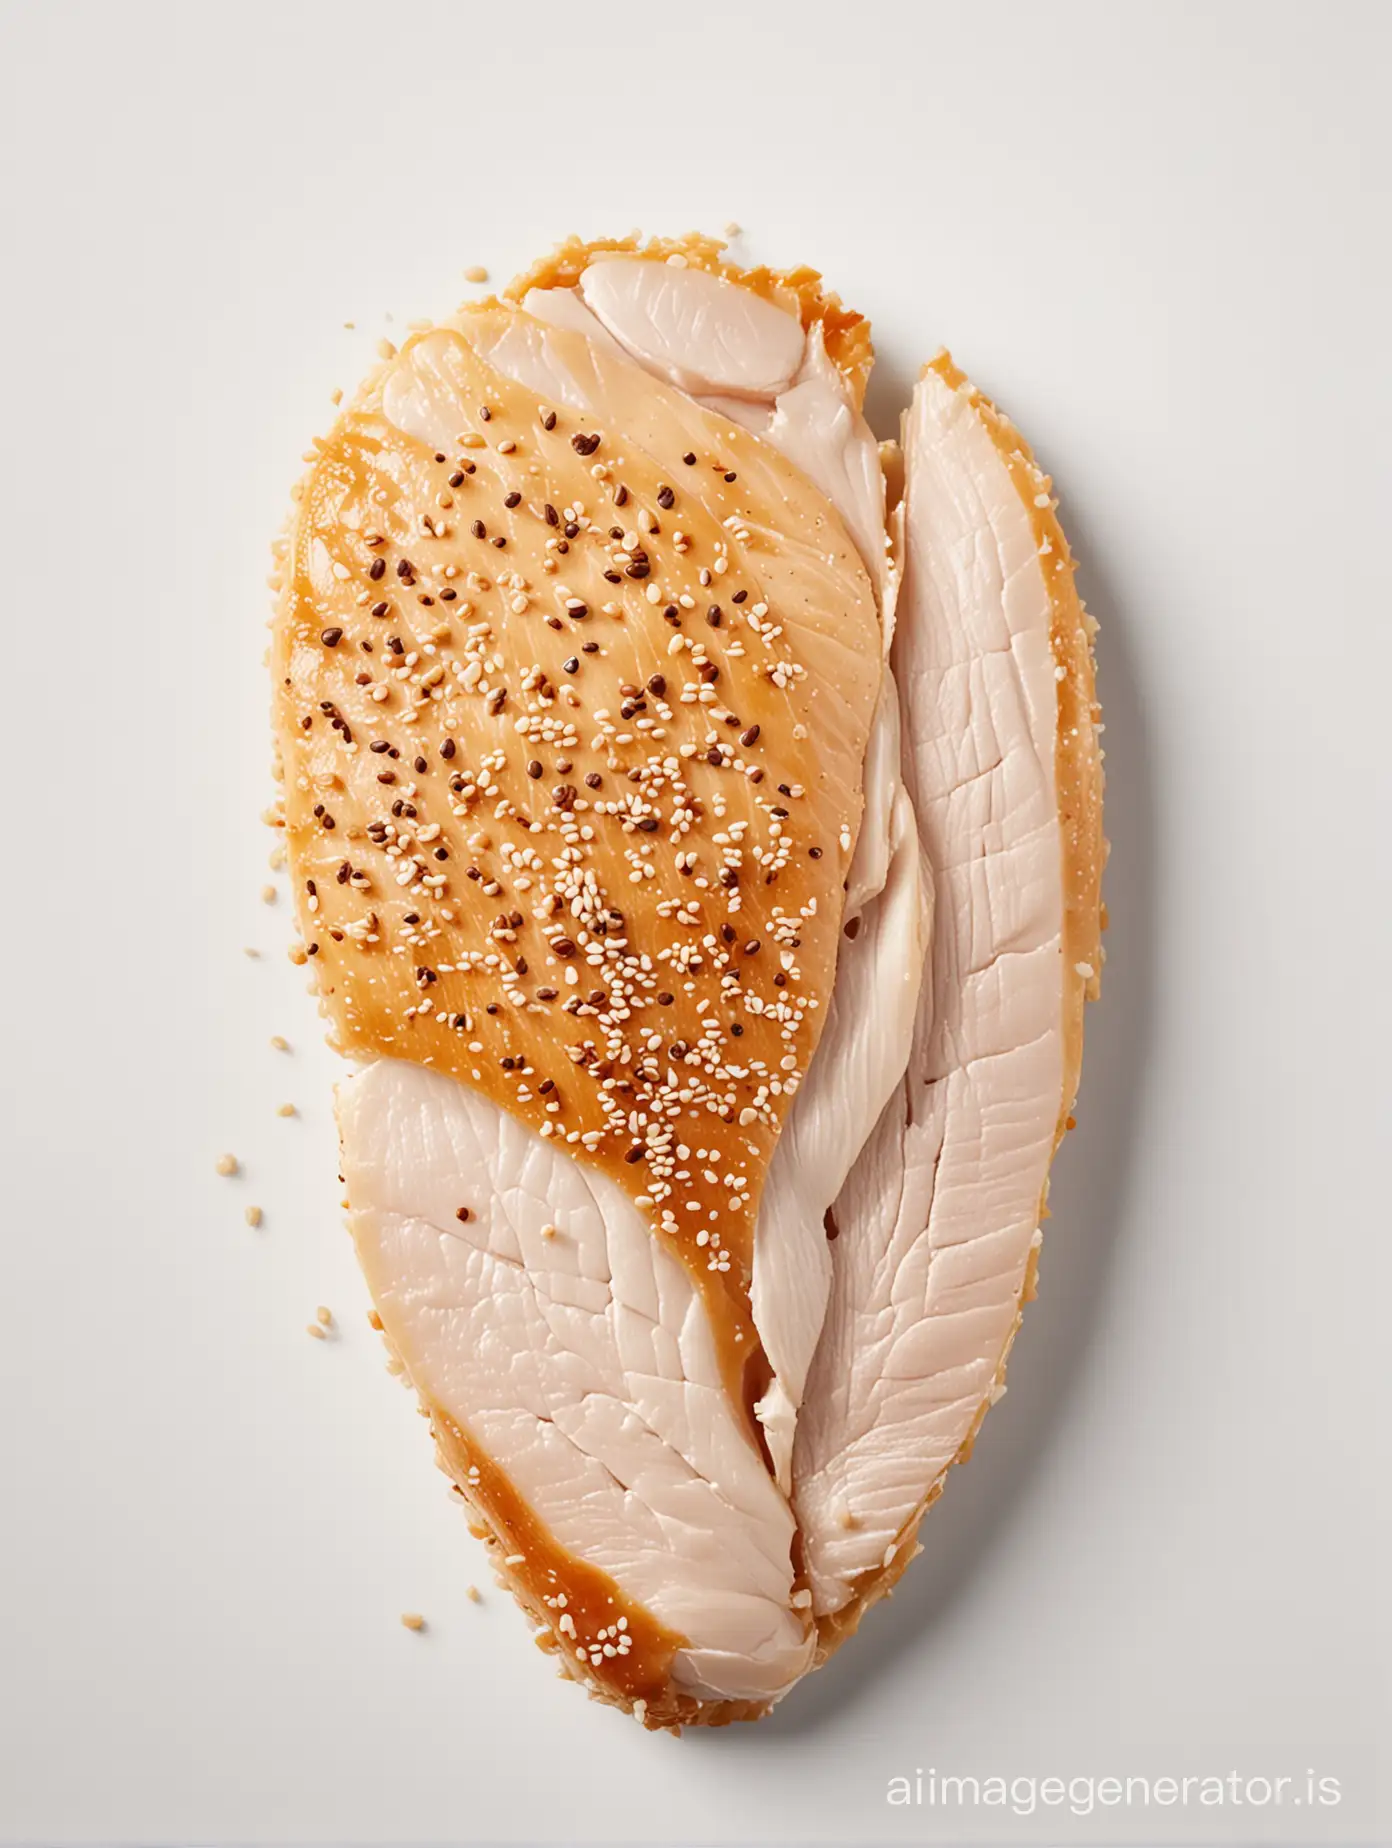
point(698, 859)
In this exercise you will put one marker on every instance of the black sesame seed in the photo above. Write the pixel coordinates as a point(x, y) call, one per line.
point(689, 459)
point(331, 637)
point(512, 500)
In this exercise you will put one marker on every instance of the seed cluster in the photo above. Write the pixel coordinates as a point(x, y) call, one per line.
point(558, 824)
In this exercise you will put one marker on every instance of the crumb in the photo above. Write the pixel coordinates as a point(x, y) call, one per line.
point(473, 1594)
point(227, 1164)
point(476, 273)
point(253, 1215)
point(253, 954)
point(374, 1320)
point(276, 859)
point(385, 349)
point(268, 895)
point(285, 1110)
point(733, 230)
point(350, 325)
point(413, 1620)
point(297, 954)
point(323, 1316)
point(335, 396)
point(313, 1328)
point(548, 1231)
point(280, 1044)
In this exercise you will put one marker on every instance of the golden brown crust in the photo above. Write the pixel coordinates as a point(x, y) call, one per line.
point(1078, 782)
point(845, 333)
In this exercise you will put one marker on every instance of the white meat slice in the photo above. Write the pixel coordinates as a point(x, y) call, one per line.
point(693, 328)
point(815, 425)
point(937, 1218)
point(582, 1361)
point(859, 1062)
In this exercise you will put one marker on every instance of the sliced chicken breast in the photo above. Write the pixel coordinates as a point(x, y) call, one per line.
point(577, 1442)
point(697, 1196)
point(938, 1223)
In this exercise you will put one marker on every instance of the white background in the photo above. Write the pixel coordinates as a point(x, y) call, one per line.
point(1157, 235)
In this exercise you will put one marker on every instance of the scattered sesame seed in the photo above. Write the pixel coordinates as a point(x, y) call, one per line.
point(253, 1216)
point(285, 1110)
point(412, 1620)
point(280, 1044)
point(323, 1316)
point(476, 273)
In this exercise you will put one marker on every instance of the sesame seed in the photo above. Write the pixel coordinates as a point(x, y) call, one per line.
point(412, 1620)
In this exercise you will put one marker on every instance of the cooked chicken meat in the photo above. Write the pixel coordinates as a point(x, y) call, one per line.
point(617, 830)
